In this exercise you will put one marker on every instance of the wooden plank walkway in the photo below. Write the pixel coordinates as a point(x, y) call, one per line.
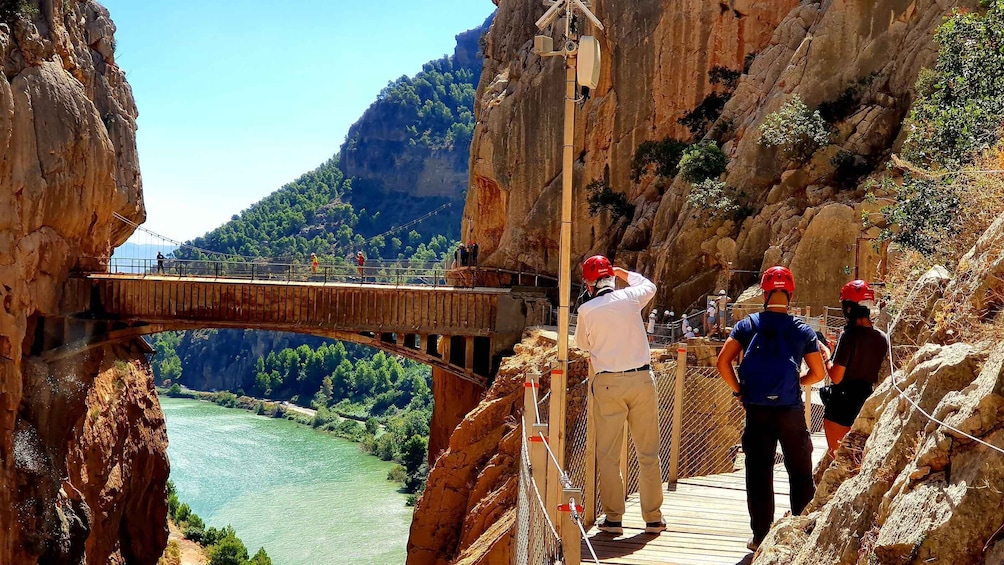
point(708, 523)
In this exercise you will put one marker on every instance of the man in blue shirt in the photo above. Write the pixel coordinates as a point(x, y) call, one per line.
point(769, 386)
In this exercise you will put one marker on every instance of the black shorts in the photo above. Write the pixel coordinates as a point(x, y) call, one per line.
point(843, 405)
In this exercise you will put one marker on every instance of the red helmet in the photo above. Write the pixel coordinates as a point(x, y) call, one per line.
point(857, 291)
point(777, 278)
point(596, 268)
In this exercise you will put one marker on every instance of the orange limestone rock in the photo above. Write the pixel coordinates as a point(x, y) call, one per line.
point(69, 162)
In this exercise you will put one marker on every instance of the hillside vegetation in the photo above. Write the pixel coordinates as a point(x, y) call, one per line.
point(406, 159)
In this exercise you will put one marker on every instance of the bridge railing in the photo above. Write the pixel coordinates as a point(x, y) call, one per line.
point(412, 273)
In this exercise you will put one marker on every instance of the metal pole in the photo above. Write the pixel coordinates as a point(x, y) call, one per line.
point(559, 375)
point(676, 432)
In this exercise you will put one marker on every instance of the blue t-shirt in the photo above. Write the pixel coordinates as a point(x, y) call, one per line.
point(773, 382)
point(803, 339)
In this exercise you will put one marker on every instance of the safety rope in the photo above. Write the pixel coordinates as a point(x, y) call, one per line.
point(577, 518)
point(902, 393)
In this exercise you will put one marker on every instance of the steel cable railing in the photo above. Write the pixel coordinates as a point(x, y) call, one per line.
point(537, 541)
point(574, 510)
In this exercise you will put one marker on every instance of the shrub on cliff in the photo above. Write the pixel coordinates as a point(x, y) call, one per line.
point(601, 197)
point(724, 82)
point(960, 106)
point(11, 10)
point(796, 130)
point(715, 201)
point(661, 158)
point(701, 162)
point(953, 128)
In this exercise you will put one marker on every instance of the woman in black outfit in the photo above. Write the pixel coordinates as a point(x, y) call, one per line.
point(855, 366)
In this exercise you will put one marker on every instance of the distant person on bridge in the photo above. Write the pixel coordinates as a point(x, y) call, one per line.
point(856, 363)
point(160, 262)
point(360, 265)
point(473, 250)
point(610, 329)
point(313, 262)
point(773, 345)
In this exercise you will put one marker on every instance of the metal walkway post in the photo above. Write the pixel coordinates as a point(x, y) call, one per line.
point(674, 450)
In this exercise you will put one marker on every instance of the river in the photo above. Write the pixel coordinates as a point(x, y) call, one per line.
point(309, 498)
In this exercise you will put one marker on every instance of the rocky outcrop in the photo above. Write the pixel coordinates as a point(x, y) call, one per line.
point(118, 463)
point(861, 58)
point(905, 489)
point(67, 138)
point(657, 56)
point(468, 508)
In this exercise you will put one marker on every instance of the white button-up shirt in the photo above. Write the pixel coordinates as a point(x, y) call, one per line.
point(610, 327)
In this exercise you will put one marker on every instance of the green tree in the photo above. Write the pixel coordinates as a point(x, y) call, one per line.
point(960, 104)
point(228, 551)
point(260, 558)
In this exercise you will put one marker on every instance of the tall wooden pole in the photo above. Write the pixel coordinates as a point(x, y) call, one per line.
point(559, 374)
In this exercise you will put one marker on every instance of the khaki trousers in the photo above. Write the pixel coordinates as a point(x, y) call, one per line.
point(628, 397)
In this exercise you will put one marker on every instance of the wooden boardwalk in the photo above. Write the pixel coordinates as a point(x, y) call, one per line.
point(707, 520)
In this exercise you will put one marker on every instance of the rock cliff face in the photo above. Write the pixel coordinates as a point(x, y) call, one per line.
point(860, 57)
point(904, 488)
point(67, 140)
point(469, 506)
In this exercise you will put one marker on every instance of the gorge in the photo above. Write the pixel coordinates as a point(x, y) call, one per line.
point(83, 446)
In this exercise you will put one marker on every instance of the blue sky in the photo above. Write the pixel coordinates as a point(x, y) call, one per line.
point(236, 102)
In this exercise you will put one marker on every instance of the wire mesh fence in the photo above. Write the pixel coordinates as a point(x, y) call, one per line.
point(713, 423)
point(537, 542)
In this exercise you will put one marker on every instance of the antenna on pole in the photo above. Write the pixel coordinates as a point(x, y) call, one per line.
point(582, 67)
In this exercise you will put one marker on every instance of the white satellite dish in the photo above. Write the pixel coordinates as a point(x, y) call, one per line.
point(589, 61)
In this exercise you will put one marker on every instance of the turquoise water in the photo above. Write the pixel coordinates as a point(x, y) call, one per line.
point(307, 497)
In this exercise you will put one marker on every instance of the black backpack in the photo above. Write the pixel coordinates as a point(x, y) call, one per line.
point(768, 374)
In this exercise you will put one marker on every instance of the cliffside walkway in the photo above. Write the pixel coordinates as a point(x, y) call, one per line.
point(700, 426)
point(413, 311)
point(706, 517)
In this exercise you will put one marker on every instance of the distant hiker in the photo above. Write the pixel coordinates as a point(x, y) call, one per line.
point(651, 325)
point(623, 387)
point(710, 321)
point(667, 317)
point(360, 262)
point(473, 250)
point(685, 326)
point(855, 367)
point(464, 255)
point(773, 345)
point(313, 262)
point(457, 262)
point(721, 304)
point(160, 262)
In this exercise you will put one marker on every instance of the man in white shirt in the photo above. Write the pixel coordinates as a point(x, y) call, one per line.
point(610, 328)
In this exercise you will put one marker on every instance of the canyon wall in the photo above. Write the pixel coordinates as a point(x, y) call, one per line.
point(858, 61)
point(860, 57)
point(69, 162)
